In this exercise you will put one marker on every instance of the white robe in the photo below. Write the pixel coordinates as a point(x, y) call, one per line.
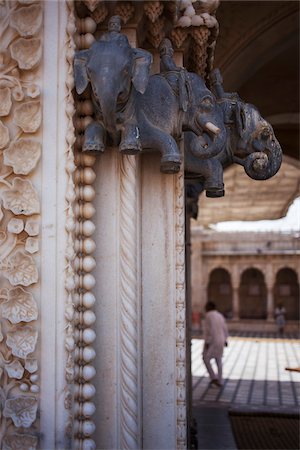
point(215, 336)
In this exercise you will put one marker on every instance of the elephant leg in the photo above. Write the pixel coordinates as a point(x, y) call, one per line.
point(130, 139)
point(94, 138)
point(213, 184)
point(154, 138)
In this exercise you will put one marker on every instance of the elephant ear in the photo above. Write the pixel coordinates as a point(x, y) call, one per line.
point(141, 69)
point(80, 70)
point(240, 117)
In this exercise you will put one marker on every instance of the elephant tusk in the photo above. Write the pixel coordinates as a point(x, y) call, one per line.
point(211, 127)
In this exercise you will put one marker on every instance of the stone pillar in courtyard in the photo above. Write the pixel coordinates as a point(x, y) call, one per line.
point(92, 258)
point(270, 281)
point(235, 293)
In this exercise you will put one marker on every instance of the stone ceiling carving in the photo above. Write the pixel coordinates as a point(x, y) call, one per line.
point(194, 33)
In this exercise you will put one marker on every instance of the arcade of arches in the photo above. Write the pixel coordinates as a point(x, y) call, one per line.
point(246, 274)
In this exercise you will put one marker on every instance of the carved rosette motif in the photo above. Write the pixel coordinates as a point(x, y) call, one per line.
point(20, 151)
point(83, 318)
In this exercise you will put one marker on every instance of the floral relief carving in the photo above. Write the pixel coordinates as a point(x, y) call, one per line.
point(20, 442)
point(27, 20)
point(27, 52)
point(5, 101)
point(31, 365)
point(32, 227)
point(14, 369)
point(19, 268)
point(21, 198)
point(20, 113)
point(20, 306)
point(22, 410)
point(4, 135)
point(32, 245)
point(28, 116)
point(15, 226)
point(22, 155)
point(1, 217)
point(22, 341)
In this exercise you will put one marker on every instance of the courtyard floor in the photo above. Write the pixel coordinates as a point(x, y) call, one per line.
point(255, 379)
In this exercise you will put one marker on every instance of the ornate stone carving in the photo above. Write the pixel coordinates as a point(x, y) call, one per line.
point(21, 198)
point(129, 308)
point(22, 410)
point(27, 52)
point(22, 341)
point(19, 201)
point(84, 299)
point(153, 10)
point(20, 306)
point(114, 100)
point(185, 103)
point(4, 135)
point(70, 196)
point(20, 442)
point(27, 20)
point(180, 313)
point(5, 101)
point(250, 142)
point(22, 155)
point(28, 116)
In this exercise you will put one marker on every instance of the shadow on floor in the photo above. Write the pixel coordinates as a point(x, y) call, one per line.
point(213, 428)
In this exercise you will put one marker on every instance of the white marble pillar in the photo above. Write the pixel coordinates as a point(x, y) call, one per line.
point(53, 414)
point(140, 381)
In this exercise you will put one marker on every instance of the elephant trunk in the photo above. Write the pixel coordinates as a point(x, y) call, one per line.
point(262, 165)
point(205, 147)
point(108, 105)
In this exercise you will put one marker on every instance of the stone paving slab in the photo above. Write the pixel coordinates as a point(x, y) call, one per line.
point(255, 375)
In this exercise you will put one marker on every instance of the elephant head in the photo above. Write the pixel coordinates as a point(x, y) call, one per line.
point(204, 118)
point(114, 69)
point(251, 140)
point(198, 108)
point(256, 147)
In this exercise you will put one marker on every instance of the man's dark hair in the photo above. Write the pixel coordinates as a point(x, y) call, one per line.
point(210, 306)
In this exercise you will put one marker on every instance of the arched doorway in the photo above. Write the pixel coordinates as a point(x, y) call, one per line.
point(253, 295)
point(220, 291)
point(286, 292)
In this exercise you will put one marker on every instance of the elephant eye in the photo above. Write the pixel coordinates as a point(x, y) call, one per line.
point(126, 70)
point(207, 102)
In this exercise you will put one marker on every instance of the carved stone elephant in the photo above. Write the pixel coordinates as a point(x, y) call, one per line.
point(116, 73)
point(250, 142)
point(175, 101)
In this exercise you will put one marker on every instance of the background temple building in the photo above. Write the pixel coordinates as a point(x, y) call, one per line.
point(247, 274)
point(97, 274)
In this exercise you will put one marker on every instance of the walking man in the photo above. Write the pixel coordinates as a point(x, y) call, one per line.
point(215, 338)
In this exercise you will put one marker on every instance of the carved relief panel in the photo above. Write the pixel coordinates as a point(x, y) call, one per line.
point(20, 152)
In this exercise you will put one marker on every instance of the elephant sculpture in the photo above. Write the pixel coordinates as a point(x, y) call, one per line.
point(250, 142)
point(176, 100)
point(149, 112)
point(117, 73)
